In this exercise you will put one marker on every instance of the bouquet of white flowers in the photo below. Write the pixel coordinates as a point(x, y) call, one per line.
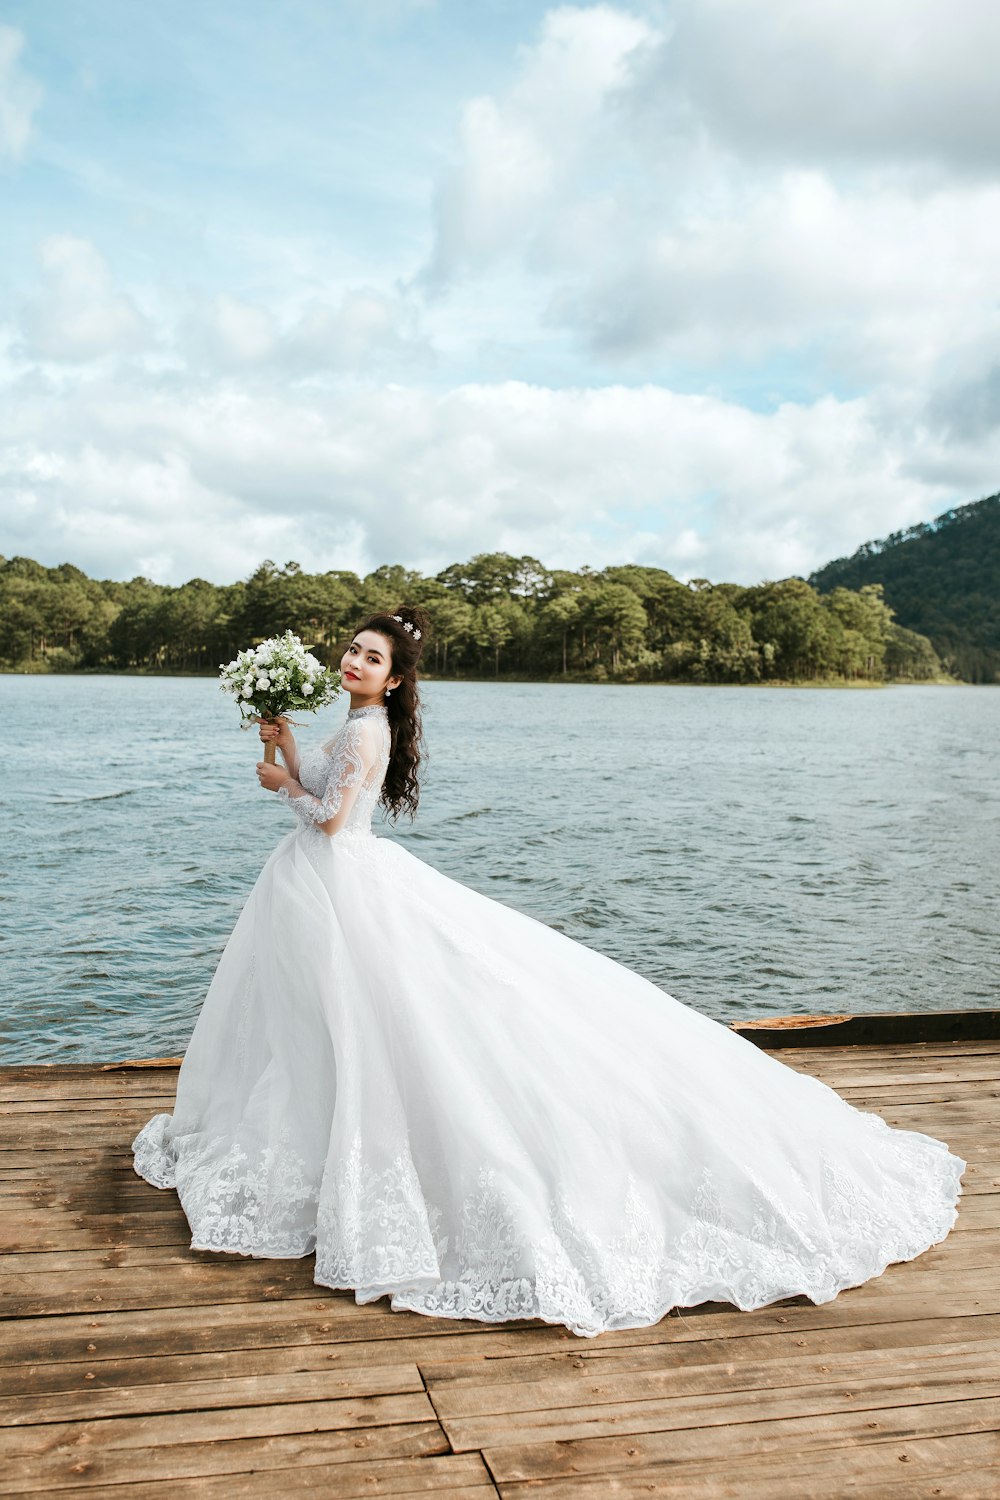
point(276, 677)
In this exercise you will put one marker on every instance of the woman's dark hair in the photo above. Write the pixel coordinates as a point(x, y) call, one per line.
point(400, 789)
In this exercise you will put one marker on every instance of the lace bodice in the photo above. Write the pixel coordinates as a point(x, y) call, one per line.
point(348, 770)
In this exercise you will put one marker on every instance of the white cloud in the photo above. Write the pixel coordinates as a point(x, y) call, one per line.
point(358, 333)
point(228, 332)
point(890, 79)
point(79, 314)
point(20, 95)
point(213, 481)
point(749, 184)
point(878, 285)
point(515, 153)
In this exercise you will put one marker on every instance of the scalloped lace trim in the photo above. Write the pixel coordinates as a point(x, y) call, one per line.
point(375, 1234)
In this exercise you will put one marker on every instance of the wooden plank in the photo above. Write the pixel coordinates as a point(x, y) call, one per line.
point(83, 1458)
point(334, 1316)
point(494, 1352)
point(157, 1366)
point(30, 1232)
point(727, 1441)
point(137, 1105)
point(869, 1070)
point(122, 1257)
point(457, 1476)
point(929, 1339)
point(54, 1166)
point(103, 1134)
point(910, 1070)
point(585, 1391)
point(41, 1158)
point(19, 1226)
point(121, 1434)
point(949, 1468)
point(35, 1100)
point(338, 1320)
point(153, 1364)
point(91, 1402)
point(871, 1074)
point(875, 1058)
point(879, 1098)
point(131, 1193)
point(134, 1068)
point(56, 1130)
point(227, 1278)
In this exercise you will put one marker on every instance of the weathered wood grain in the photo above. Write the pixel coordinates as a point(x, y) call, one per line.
point(90, 1402)
point(947, 1468)
point(475, 1394)
point(83, 1459)
point(457, 1476)
point(136, 1366)
point(726, 1443)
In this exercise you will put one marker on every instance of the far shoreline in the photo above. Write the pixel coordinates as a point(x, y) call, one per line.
point(571, 681)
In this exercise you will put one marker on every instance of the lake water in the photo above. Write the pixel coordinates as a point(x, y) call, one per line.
point(753, 851)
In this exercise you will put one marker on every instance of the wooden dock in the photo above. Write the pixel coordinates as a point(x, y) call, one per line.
point(133, 1368)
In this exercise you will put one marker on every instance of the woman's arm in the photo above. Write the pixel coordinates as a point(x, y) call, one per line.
point(350, 764)
point(290, 755)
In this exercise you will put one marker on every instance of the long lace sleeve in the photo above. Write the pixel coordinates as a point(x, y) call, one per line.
point(306, 807)
point(352, 758)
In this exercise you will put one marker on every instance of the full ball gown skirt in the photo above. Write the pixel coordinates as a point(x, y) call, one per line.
point(455, 1105)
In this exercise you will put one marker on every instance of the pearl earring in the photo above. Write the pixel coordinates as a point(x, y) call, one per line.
point(388, 691)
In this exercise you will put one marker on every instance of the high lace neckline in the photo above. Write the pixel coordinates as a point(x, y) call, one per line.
point(367, 708)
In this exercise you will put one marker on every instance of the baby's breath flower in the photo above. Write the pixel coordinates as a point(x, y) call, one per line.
point(277, 676)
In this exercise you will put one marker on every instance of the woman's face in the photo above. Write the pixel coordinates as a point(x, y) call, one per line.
point(366, 667)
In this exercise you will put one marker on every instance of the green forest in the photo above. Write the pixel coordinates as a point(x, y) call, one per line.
point(941, 579)
point(493, 616)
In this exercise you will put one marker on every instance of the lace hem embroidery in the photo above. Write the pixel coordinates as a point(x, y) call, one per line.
point(375, 1234)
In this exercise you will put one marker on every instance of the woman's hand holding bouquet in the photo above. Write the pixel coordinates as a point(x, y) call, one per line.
point(276, 734)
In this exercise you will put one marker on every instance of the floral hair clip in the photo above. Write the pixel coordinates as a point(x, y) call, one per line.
point(407, 625)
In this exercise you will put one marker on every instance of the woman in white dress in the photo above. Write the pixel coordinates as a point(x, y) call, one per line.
point(460, 1108)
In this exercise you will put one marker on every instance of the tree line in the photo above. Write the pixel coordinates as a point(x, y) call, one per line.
point(942, 579)
point(494, 616)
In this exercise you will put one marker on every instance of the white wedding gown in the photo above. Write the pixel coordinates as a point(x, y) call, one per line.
point(457, 1106)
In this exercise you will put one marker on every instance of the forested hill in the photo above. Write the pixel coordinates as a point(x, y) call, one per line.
point(942, 578)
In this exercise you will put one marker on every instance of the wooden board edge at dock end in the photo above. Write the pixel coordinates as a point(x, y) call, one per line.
point(875, 1029)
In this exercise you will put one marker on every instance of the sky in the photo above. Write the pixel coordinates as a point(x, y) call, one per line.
point(701, 284)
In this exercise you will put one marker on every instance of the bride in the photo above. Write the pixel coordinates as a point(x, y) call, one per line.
point(459, 1108)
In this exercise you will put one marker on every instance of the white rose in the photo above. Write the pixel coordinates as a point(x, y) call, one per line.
point(247, 692)
point(307, 688)
point(263, 681)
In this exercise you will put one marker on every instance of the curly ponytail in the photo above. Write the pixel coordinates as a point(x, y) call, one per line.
point(406, 629)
